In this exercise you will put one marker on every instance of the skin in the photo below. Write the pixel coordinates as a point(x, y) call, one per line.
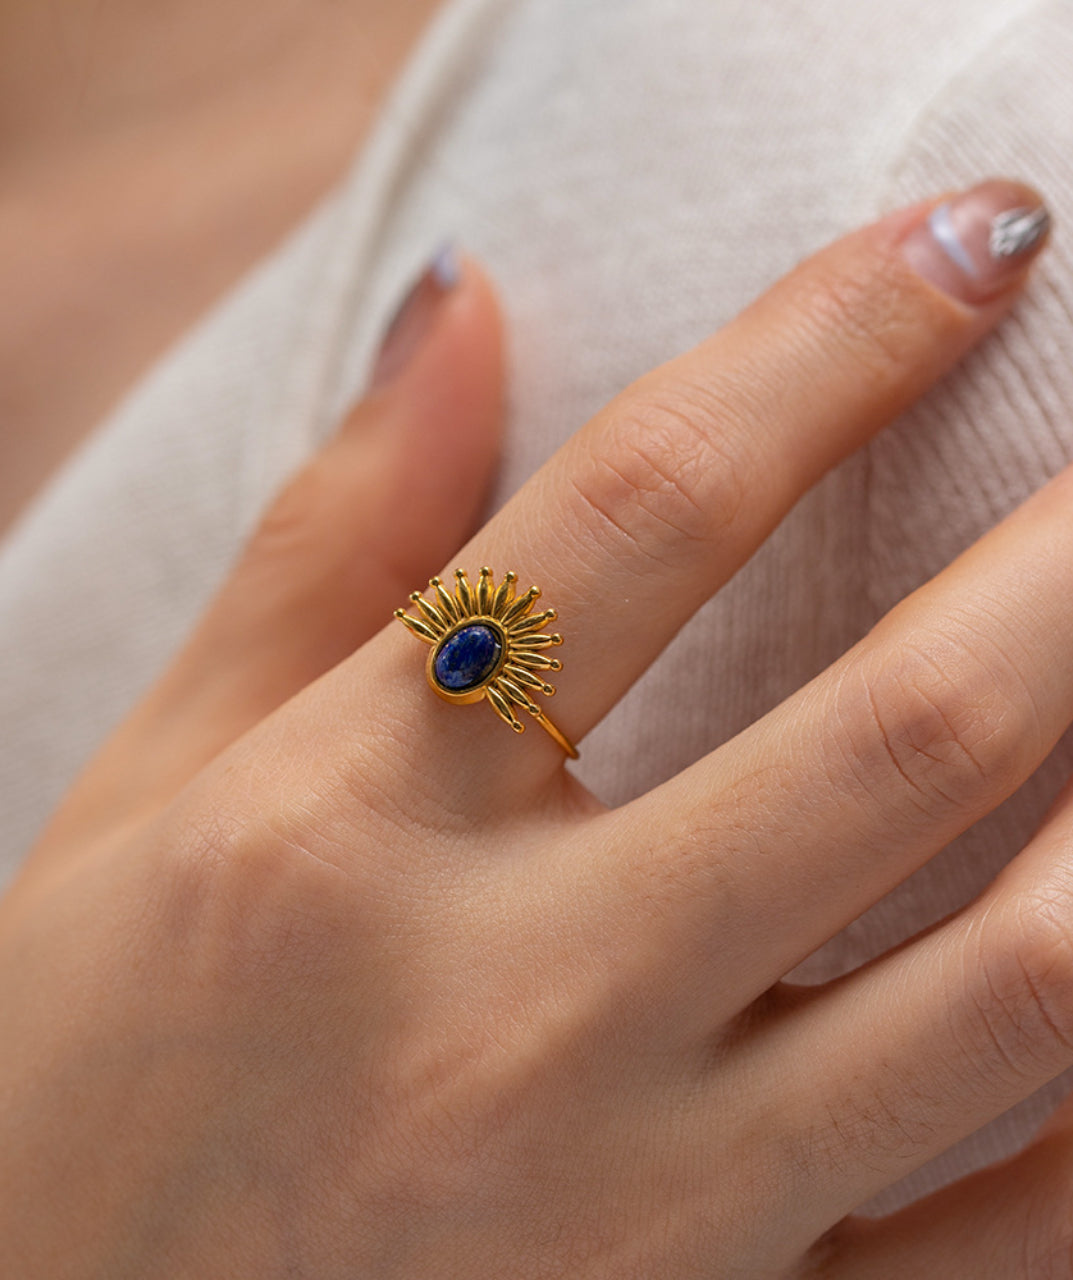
point(190, 137)
point(316, 975)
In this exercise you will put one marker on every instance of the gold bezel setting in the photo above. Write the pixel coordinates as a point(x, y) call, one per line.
point(466, 696)
point(465, 673)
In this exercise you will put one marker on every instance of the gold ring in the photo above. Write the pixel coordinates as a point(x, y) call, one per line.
point(487, 643)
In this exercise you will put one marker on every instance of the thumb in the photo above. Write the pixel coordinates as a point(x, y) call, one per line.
point(391, 496)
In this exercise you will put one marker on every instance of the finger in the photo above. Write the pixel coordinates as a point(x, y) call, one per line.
point(667, 491)
point(836, 796)
point(932, 1041)
point(1013, 1221)
point(331, 557)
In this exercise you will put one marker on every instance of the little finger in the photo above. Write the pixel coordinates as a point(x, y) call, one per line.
point(933, 1040)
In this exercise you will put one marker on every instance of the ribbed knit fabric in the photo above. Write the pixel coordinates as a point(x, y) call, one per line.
point(632, 172)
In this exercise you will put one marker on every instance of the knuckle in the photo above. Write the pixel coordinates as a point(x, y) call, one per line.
point(1022, 994)
point(257, 905)
point(668, 472)
point(939, 723)
point(880, 1116)
point(870, 316)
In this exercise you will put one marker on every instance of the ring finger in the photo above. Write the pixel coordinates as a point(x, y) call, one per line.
point(836, 796)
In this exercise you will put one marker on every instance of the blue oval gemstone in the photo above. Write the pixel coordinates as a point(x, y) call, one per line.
point(467, 659)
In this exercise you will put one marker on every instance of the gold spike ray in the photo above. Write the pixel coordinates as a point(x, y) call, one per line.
point(533, 623)
point(502, 709)
point(521, 606)
point(517, 695)
point(527, 678)
point(433, 617)
point(536, 661)
point(484, 592)
point(504, 596)
point(420, 629)
point(464, 594)
point(527, 643)
point(447, 601)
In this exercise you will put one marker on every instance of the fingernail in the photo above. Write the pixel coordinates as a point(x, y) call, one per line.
point(413, 318)
point(976, 244)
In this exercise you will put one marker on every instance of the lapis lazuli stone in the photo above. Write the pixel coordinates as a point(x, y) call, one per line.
point(467, 659)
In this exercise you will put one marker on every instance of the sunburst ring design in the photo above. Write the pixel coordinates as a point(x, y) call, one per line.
point(487, 643)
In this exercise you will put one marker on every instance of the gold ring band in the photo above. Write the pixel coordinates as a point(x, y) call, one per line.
point(557, 734)
point(487, 644)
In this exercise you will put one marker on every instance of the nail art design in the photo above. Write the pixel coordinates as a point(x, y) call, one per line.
point(979, 242)
point(944, 231)
point(1017, 230)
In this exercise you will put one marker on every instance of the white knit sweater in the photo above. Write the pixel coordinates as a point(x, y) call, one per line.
point(632, 172)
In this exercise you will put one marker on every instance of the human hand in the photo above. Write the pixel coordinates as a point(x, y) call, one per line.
point(380, 990)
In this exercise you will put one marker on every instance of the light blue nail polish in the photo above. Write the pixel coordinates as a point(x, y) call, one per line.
point(445, 268)
point(405, 330)
point(946, 236)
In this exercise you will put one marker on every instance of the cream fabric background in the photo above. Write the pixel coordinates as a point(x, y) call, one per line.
point(632, 172)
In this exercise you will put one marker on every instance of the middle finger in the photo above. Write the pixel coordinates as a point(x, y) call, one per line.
point(663, 496)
